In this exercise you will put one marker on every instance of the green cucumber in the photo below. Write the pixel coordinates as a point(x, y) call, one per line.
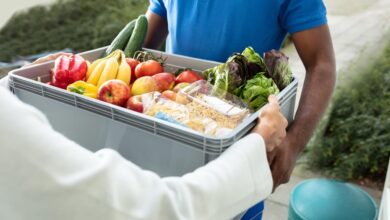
point(137, 39)
point(120, 41)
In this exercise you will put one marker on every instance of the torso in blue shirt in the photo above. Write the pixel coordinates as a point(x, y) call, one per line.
point(214, 29)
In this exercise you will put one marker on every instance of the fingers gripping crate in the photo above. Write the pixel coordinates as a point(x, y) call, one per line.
point(163, 147)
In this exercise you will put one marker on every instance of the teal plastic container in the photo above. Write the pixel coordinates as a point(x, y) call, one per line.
point(322, 199)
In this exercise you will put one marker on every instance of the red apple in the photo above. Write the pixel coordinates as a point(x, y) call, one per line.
point(166, 81)
point(144, 85)
point(168, 94)
point(135, 103)
point(115, 92)
point(133, 64)
point(180, 86)
point(188, 76)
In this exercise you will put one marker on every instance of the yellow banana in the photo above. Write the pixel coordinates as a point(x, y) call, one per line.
point(110, 71)
point(124, 71)
point(97, 72)
point(92, 66)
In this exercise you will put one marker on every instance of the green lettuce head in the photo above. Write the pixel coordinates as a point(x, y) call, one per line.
point(256, 91)
point(230, 75)
point(255, 62)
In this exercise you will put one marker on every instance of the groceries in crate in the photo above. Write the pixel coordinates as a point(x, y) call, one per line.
point(168, 94)
point(278, 68)
point(76, 75)
point(138, 103)
point(148, 68)
point(201, 108)
point(131, 38)
point(255, 92)
point(159, 82)
point(202, 99)
point(144, 85)
point(113, 66)
point(165, 81)
point(213, 103)
point(138, 81)
point(180, 86)
point(250, 77)
point(132, 63)
point(67, 70)
point(115, 92)
point(187, 76)
point(230, 75)
point(83, 88)
point(198, 106)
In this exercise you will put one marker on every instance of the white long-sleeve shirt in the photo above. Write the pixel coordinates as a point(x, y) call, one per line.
point(45, 176)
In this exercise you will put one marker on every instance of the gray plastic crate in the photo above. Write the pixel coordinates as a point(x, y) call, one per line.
point(167, 149)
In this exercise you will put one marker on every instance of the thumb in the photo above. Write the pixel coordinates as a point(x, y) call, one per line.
point(272, 99)
point(273, 102)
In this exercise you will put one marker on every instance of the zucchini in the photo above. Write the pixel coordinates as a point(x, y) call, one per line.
point(137, 39)
point(120, 41)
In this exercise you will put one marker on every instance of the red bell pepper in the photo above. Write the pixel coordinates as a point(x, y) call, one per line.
point(68, 69)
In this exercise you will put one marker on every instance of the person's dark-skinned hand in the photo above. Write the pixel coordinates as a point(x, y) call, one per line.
point(282, 160)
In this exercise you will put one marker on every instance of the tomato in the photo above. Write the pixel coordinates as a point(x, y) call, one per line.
point(132, 63)
point(148, 68)
point(188, 76)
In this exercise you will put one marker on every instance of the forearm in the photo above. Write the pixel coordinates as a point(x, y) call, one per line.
point(317, 91)
point(157, 30)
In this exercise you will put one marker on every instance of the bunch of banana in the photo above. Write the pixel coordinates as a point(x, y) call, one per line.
point(113, 66)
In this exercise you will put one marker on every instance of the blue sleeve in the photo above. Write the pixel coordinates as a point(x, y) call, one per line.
point(300, 15)
point(158, 7)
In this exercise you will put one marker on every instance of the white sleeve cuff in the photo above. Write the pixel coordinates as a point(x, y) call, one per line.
point(249, 156)
point(255, 150)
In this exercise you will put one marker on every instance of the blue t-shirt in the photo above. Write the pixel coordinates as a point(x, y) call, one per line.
point(214, 29)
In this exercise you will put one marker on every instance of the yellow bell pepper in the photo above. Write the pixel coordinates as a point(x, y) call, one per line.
point(83, 88)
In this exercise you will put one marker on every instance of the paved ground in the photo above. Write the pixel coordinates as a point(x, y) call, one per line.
point(359, 29)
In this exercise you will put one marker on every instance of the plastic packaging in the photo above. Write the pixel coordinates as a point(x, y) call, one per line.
point(202, 108)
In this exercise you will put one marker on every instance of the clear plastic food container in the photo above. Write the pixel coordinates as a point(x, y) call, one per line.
point(202, 108)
